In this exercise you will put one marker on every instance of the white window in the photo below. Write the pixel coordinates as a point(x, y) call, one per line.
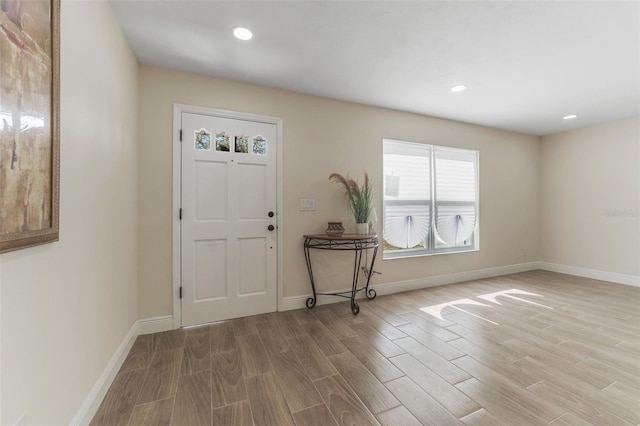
point(430, 199)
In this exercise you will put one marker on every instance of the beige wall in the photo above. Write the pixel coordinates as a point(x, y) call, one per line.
point(322, 136)
point(67, 306)
point(590, 197)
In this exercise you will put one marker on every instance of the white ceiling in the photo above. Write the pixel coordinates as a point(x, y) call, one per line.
point(526, 63)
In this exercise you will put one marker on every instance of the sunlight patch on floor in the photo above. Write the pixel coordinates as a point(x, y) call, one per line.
point(493, 297)
point(472, 314)
point(436, 310)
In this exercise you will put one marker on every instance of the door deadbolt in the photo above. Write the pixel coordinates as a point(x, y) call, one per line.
point(270, 214)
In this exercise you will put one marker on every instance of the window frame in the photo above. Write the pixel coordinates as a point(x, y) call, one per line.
point(432, 202)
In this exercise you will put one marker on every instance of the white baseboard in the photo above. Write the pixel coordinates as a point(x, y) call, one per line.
point(297, 302)
point(613, 277)
point(155, 324)
point(92, 402)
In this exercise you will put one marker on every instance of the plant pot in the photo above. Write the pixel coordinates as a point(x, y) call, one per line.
point(362, 228)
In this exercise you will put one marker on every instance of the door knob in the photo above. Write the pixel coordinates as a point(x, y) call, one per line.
point(271, 227)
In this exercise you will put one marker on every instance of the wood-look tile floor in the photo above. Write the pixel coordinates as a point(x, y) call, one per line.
point(534, 348)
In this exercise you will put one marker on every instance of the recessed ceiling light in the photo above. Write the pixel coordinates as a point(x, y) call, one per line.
point(459, 88)
point(569, 117)
point(242, 33)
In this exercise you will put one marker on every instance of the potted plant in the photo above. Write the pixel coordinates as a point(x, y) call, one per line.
point(359, 199)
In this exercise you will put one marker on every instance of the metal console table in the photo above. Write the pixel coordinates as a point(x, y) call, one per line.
point(351, 242)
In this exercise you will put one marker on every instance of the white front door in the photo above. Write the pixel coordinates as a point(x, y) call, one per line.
point(228, 226)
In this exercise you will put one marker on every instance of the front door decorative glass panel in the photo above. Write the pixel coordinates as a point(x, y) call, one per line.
point(222, 141)
point(242, 143)
point(203, 140)
point(260, 145)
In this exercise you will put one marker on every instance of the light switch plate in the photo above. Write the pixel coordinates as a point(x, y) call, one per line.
point(307, 204)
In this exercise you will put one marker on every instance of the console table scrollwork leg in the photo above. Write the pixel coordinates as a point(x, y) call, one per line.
point(369, 292)
point(311, 302)
point(355, 309)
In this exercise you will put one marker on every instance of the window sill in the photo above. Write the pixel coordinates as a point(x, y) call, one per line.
point(408, 255)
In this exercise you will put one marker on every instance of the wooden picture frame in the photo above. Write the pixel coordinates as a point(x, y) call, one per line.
point(29, 123)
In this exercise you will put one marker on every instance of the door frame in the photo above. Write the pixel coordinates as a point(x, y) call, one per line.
point(178, 109)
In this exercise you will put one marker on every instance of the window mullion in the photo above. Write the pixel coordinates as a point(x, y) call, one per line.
point(432, 231)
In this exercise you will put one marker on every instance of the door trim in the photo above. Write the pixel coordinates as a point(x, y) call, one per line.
point(178, 109)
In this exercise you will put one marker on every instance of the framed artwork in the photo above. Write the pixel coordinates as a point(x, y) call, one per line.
point(29, 123)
